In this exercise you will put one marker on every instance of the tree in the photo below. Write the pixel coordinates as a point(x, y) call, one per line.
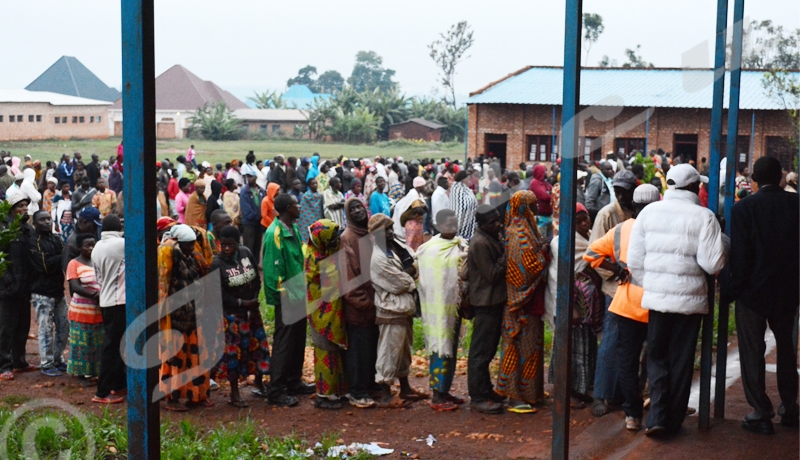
point(447, 52)
point(9, 230)
point(767, 46)
point(268, 100)
point(369, 74)
point(216, 122)
point(592, 28)
point(635, 60)
point(304, 77)
point(607, 62)
point(785, 89)
point(329, 82)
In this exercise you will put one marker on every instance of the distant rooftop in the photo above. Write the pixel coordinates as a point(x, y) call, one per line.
point(25, 96)
point(684, 88)
point(68, 76)
point(181, 90)
point(421, 121)
point(301, 97)
point(269, 114)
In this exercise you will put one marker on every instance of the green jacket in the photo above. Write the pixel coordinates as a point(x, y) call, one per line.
point(283, 264)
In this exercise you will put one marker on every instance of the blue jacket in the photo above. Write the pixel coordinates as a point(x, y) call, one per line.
point(251, 211)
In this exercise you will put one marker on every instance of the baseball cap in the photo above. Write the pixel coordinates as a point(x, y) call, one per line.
point(625, 179)
point(91, 213)
point(683, 175)
point(645, 194)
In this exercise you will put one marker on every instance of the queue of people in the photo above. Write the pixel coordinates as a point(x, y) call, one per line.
point(351, 251)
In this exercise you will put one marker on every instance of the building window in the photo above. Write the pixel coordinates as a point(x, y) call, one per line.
point(58, 120)
point(64, 120)
point(1, 118)
point(98, 119)
point(74, 119)
point(540, 148)
point(38, 118)
point(781, 148)
point(276, 128)
point(91, 119)
point(19, 118)
point(82, 119)
point(30, 118)
point(263, 127)
point(627, 146)
point(11, 118)
point(591, 148)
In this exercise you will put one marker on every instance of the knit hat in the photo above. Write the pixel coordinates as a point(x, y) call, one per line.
point(419, 181)
point(379, 222)
point(646, 194)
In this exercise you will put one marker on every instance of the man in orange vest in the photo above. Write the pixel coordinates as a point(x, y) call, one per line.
point(610, 252)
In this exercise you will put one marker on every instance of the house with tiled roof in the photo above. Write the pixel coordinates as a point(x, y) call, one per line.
point(70, 77)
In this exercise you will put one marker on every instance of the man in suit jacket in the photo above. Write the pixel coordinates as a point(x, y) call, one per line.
point(764, 272)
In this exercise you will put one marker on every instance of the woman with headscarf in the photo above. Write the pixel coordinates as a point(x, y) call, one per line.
point(246, 346)
point(313, 170)
point(464, 203)
point(28, 190)
point(195, 213)
point(310, 208)
point(521, 376)
point(325, 313)
point(333, 203)
point(268, 212)
point(214, 201)
point(413, 220)
point(323, 178)
point(543, 191)
point(370, 179)
point(180, 352)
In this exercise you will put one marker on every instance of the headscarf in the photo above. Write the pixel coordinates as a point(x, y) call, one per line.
point(313, 171)
point(379, 222)
point(351, 224)
point(213, 199)
point(268, 212)
point(164, 223)
point(183, 233)
point(464, 203)
point(526, 262)
point(324, 306)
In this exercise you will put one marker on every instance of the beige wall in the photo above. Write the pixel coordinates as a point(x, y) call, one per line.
point(94, 125)
point(286, 126)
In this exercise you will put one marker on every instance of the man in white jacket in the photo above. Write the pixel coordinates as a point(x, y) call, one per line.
point(674, 245)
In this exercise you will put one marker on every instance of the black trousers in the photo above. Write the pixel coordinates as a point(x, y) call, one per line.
point(630, 339)
point(288, 354)
point(252, 236)
point(486, 329)
point(112, 368)
point(360, 358)
point(671, 345)
point(750, 329)
point(15, 323)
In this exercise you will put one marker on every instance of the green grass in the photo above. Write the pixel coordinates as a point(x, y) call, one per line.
point(58, 435)
point(224, 151)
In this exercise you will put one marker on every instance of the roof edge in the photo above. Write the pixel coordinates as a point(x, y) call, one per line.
point(513, 74)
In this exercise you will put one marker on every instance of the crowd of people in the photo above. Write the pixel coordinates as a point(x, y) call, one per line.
point(365, 246)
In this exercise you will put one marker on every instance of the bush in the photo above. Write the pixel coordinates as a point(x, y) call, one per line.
point(216, 122)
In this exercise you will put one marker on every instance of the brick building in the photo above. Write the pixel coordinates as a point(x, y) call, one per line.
point(416, 129)
point(28, 115)
point(275, 122)
point(518, 118)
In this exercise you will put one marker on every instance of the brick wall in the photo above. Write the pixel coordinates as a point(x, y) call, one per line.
point(39, 121)
point(286, 126)
point(518, 121)
point(414, 131)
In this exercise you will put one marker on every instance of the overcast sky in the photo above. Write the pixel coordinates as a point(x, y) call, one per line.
point(253, 44)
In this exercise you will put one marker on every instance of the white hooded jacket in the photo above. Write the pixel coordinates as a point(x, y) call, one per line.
point(28, 188)
point(674, 244)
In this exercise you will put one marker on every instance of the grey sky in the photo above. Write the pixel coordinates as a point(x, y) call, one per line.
point(248, 44)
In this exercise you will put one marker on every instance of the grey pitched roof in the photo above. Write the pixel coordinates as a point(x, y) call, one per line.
point(421, 121)
point(179, 89)
point(68, 76)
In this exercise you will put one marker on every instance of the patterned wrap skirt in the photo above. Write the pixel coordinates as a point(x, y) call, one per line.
point(522, 362)
point(329, 373)
point(85, 348)
point(179, 376)
point(246, 347)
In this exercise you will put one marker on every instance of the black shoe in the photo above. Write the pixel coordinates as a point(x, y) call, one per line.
point(283, 400)
point(758, 426)
point(325, 403)
point(303, 388)
point(496, 397)
point(655, 431)
point(789, 417)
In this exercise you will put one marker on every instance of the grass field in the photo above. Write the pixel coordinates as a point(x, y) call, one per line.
point(223, 151)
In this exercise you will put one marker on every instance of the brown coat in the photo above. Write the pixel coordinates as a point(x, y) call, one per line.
point(487, 270)
point(359, 300)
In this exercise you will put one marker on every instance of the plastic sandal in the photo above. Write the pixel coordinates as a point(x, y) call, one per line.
point(523, 409)
point(444, 407)
point(23, 370)
point(7, 376)
point(107, 400)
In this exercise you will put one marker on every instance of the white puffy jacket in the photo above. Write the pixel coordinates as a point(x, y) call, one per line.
point(673, 244)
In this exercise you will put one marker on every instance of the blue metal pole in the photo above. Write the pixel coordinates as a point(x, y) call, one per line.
point(553, 155)
point(647, 136)
point(139, 139)
point(562, 348)
point(466, 135)
point(713, 204)
point(752, 147)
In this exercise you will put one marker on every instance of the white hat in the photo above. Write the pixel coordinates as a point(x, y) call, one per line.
point(206, 164)
point(19, 176)
point(646, 194)
point(248, 170)
point(582, 174)
point(683, 175)
point(17, 196)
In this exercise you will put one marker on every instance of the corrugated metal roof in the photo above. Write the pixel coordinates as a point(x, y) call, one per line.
point(301, 97)
point(421, 121)
point(25, 96)
point(69, 76)
point(626, 87)
point(269, 114)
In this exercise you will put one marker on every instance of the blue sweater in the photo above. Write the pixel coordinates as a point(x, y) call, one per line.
point(251, 211)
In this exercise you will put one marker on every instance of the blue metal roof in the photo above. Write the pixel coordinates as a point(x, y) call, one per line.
point(626, 87)
point(301, 97)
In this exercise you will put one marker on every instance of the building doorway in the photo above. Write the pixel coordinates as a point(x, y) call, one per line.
point(685, 147)
point(496, 147)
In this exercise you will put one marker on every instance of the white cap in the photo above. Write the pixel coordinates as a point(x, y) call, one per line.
point(683, 175)
point(582, 174)
point(646, 194)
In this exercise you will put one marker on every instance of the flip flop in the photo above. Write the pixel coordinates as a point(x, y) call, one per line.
point(395, 403)
point(23, 370)
point(203, 403)
point(414, 396)
point(121, 392)
point(240, 403)
point(523, 409)
point(7, 376)
point(107, 400)
point(444, 407)
point(455, 399)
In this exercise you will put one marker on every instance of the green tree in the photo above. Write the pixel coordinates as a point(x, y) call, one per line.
point(389, 107)
point(592, 28)
point(329, 82)
point(447, 52)
point(369, 74)
point(305, 76)
point(784, 88)
point(359, 126)
point(268, 100)
point(216, 122)
point(9, 230)
point(769, 46)
point(635, 60)
point(607, 62)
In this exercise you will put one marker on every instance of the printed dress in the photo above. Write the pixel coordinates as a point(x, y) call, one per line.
point(86, 333)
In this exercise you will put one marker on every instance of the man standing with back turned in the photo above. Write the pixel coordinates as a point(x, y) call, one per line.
point(674, 245)
point(764, 272)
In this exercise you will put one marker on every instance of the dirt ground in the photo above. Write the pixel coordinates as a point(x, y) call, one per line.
point(459, 434)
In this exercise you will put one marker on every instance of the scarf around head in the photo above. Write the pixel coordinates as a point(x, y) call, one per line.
point(324, 304)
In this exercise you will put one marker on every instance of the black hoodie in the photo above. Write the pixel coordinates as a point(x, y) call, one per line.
point(45, 256)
